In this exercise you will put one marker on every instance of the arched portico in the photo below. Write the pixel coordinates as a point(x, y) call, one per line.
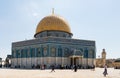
point(76, 60)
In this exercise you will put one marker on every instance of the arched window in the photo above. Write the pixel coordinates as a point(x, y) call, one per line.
point(13, 54)
point(22, 53)
point(48, 33)
point(66, 52)
point(53, 51)
point(45, 51)
point(57, 35)
point(25, 52)
point(59, 52)
point(18, 53)
point(32, 51)
point(86, 53)
point(38, 52)
point(40, 35)
point(28, 53)
point(80, 51)
point(64, 35)
point(91, 53)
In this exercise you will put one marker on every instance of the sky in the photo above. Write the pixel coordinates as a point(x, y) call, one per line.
point(97, 20)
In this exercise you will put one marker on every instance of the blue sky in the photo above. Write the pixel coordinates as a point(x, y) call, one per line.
point(97, 20)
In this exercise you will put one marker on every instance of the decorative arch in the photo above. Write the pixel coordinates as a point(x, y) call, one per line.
point(53, 51)
point(59, 52)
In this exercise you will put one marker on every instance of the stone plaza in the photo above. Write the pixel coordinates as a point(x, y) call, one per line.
point(81, 73)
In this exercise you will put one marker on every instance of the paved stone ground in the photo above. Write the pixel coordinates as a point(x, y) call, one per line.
point(19, 73)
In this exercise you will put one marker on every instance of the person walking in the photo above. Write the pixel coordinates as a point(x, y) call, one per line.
point(53, 68)
point(105, 71)
point(93, 67)
point(75, 68)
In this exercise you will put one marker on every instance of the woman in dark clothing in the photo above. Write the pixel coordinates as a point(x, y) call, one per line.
point(75, 68)
point(53, 68)
point(105, 71)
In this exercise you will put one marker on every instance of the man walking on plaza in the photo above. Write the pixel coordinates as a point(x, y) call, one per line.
point(105, 71)
point(53, 68)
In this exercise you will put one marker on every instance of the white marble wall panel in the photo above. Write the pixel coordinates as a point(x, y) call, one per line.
point(49, 61)
point(14, 62)
point(28, 63)
point(44, 60)
point(52, 60)
point(90, 62)
point(38, 61)
point(19, 61)
point(84, 61)
point(33, 61)
point(23, 62)
point(80, 61)
point(65, 61)
point(58, 60)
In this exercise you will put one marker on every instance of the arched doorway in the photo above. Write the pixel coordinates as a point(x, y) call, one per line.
point(76, 60)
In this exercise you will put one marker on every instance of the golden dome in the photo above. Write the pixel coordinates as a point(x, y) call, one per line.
point(53, 22)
